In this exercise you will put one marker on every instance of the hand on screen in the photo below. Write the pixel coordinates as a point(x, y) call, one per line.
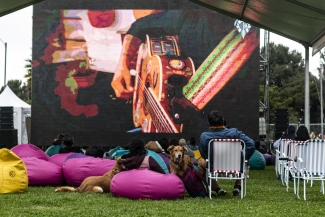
point(121, 82)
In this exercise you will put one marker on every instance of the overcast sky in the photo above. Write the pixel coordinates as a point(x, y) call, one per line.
point(16, 31)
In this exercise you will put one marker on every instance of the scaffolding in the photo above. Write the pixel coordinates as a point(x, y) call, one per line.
point(264, 67)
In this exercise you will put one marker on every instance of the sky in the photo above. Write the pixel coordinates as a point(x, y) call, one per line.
point(16, 30)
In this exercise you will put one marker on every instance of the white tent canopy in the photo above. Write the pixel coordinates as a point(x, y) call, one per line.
point(21, 111)
point(9, 98)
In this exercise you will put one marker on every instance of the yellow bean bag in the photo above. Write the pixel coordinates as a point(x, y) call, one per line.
point(197, 154)
point(13, 173)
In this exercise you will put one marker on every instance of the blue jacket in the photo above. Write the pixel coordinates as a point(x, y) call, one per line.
point(291, 136)
point(229, 133)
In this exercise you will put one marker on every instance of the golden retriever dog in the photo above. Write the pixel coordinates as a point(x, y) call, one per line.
point(96, 184)
point(179, 161)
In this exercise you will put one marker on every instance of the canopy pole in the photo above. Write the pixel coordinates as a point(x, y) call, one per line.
point(321, 101)
point(267, 85)
point(307, 120)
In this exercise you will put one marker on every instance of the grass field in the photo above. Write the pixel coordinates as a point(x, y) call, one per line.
point(266, 196)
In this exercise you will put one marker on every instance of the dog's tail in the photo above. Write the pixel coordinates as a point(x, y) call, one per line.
point(98, 189)
point(66, 189)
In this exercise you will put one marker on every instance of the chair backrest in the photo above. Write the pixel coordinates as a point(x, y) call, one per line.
point(225, 155)
point(281, 152)
point(315, 157)
point(290, 151)
point(300, 156)
point(283, 147)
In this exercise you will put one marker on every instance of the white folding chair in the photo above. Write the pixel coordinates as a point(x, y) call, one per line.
point(226, 160)
point(314, 164)
point(289, 158)
point(279, 163)
point(298, 164)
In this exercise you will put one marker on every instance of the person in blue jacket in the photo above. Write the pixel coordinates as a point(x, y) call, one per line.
point(290, 134)
point(218, 130)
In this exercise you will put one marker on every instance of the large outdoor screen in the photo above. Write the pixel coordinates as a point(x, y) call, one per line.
point(108, 75)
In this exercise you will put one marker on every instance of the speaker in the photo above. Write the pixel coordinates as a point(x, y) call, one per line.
point(281, 118)
point(7, 118)
point(8, 138)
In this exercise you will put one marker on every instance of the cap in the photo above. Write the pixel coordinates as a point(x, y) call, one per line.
point(182, 142)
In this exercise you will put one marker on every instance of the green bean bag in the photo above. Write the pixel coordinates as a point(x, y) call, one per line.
point(257, 161)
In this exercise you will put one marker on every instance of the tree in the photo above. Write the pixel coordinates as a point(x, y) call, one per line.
point(283, 64)
point(287, 84)
point(28, 75)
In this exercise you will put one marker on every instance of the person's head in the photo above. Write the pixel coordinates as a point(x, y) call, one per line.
point(182, 142)
point(60, 136)
point(312, 135)
point(302, 134)
point(164, 143)
point(215, 119)
point(192, 141)
point(58, 140)
point(68, 140)
point(173, 141)
point(136, 146)
point(291, 129)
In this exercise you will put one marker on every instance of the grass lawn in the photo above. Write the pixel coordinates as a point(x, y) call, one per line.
point(266, 196)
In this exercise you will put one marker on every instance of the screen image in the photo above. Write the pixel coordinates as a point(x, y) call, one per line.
point(108, 75)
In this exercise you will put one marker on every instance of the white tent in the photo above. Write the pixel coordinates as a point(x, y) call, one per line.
point(22, 110)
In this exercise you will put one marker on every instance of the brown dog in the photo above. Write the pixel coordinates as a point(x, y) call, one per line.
point(95, 184)
point(179, 161)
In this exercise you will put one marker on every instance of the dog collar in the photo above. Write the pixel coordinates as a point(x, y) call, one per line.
point(117, 171)
point(177, 163)
point(159, 146)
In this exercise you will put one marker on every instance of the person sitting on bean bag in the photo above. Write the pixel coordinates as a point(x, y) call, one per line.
point(138, 158)
point(159, 146)
point(68, 142)
point(57, 145)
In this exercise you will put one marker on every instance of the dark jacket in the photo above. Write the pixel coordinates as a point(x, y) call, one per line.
point(141, 162)
point(68, 149)
point(288, 136)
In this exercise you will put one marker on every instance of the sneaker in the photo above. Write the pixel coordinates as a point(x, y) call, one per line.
point(221, 192)
point(235, 192)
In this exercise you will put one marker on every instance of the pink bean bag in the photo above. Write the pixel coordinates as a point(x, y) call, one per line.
point(147, 184)
point(42, 172)
point(29, 150)
point(75, 170)
point(59, 159)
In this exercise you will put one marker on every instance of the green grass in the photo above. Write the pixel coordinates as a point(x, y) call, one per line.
point(266, 196)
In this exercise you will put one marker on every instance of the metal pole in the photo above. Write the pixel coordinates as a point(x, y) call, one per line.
point(321, 100)
point(5, 64)
point(307, 120)
point(266, 95)
point(5, 44)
